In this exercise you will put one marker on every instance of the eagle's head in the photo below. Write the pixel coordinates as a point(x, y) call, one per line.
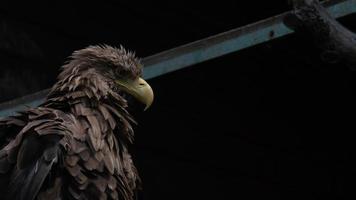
point(105, 71)
point(96, 87)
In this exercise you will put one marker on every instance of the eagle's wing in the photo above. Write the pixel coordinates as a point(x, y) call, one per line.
point(29, 149)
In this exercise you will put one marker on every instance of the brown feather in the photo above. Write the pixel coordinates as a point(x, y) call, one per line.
point(72, 160)
point(81, 178)
point(109, 162)
point(84, 155)
point(91, 164)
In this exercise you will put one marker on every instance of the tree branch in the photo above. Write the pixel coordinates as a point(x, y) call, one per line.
point(337, 42)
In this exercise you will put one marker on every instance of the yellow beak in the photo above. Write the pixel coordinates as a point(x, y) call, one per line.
point(139, 89)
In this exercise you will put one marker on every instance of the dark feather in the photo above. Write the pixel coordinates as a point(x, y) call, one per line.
point(26, 182)
point(29, 152)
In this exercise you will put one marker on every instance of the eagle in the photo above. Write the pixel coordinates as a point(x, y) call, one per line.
point(75, 144)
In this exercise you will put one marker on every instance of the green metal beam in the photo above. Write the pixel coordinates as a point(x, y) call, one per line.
point(203, 50)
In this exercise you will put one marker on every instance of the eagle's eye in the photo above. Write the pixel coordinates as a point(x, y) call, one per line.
point(121, 72)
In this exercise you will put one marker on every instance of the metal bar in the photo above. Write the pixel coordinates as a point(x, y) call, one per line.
point(203, 50)
point(32, 100)
point(230, 41)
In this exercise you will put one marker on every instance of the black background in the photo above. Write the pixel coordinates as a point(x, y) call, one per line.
point(271, 121)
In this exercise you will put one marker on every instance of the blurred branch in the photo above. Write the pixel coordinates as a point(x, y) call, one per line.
point(337, 43)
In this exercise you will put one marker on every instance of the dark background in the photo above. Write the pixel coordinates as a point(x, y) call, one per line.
point(271, 121)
